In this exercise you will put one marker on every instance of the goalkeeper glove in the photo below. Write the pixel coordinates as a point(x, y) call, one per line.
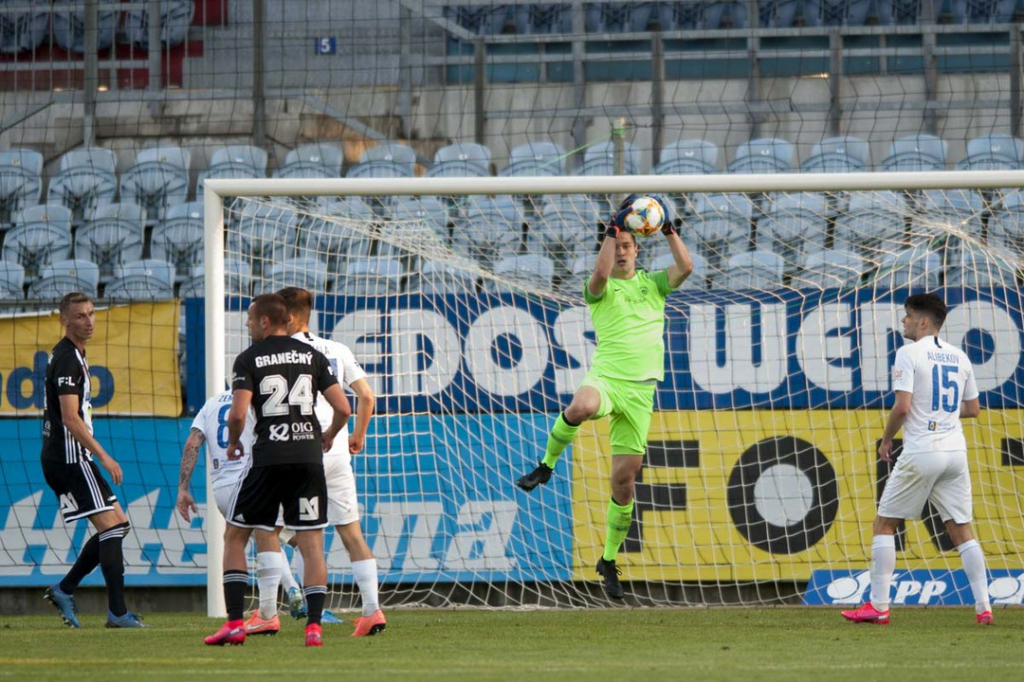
point(618, 222)
point(668, 226)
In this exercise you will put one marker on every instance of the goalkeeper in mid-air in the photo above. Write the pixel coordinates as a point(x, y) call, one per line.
point(627, 307)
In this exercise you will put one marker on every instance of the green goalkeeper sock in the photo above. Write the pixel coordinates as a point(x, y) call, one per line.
point(620, 518)
point(561, 435)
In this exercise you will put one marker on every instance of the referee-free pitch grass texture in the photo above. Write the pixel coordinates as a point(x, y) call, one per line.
point(791, 644)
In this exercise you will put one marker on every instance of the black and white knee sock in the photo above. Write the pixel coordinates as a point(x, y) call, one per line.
point(111, 557)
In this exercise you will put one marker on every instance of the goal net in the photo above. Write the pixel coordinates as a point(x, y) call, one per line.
point(462, 299)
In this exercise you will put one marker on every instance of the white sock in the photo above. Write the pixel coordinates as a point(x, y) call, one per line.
point(268, 577)
point(365, 573)
point(883, 563)
point(974, 566)
point(287, 579)
point(299, 565)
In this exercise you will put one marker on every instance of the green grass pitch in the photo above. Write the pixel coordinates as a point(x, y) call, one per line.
point(653, 645)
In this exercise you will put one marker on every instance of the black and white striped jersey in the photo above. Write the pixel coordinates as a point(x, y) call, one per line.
point(67, 373)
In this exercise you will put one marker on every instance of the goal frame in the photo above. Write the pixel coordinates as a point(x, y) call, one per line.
point(216, 191)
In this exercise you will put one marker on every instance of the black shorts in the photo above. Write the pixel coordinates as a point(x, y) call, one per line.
point(299, 489)
point(80, 488)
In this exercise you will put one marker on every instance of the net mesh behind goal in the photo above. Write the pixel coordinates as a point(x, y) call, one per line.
point(761, 474)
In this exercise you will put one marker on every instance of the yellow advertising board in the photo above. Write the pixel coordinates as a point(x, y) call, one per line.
point(776, 494)
point(133, 360)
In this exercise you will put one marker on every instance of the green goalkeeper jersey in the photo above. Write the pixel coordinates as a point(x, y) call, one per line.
point(629, 319)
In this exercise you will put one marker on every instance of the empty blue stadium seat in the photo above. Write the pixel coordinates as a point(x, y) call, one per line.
point(838, 155)
point(993, 152)
point(315, 160)
point(113, 236)
point(688, 156)
point(21, 182)
point(543, 19)
point(86, 178)
point(41, 235)
point(483, 19)
point(536, 158)
point(69, 26)
point(763, 155)
point(158, 179)
point(175, 18)
point(179, 238)
point(12, 281)
point(235, 162)
point(921, 152)
point(24, 28)
point(62, 277)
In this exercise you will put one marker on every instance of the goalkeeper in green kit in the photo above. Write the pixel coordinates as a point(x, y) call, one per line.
point(627, 307)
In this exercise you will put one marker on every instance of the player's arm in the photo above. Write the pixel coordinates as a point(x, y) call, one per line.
point(188, 464)
point(605, 259)
point(364, 410)
point(342, 411)
point(241, 399)
point(683, 264)
point(897, 415)
point(971, 406)
point(75, 425)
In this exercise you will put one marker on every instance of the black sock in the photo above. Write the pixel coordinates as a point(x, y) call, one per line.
point(87, 561)
point(112, 565)
point(566, 420)
point(315, 595)
point(235, 585)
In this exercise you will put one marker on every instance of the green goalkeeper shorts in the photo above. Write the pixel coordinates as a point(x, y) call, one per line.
point(630, 405)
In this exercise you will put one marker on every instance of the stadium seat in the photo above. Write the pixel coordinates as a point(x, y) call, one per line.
point(428, 210)
point(113, 236)
point(581, 208)
point(916, 153)
point(41, 234)
point(787, 13)
point(838, 155)
point(543, 19)
point(681, 16)
point(529, 271)
point(69, 26)
point(315, 160)
point(436, 278)
point(385, 160)
point(241, 161)
point(973, 267)
point(938, 210)
point(461, 160)
point(24, 25)
point(372, 277)
point(237, 280)
point(872, 221)
point(490, 229)
point(688, 157)
point(21, 182)
point(831, 269)
point(1006, 225)
point(330, 239)
point(794, 224)
point(306, 273)
point(484, 20)
point(12, 281)
point(916, 267)
point(562, 237)
point(264, 234)
point(721, 225)
point(599, 159)
point(144, 280)
point(572, 285)
point(718, 14)
point(993, 152)
point(64, 276)
point(179, 239)
point(620, 17)
point(763, 155)
point(158, 179)
point(535, 159)
point(175, 18)
point(751, 270)
point(86, 178)
point(697, 279)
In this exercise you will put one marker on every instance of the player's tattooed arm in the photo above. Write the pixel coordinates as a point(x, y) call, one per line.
point(186, 503)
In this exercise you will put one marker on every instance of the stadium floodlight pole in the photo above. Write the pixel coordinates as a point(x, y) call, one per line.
point(213, 212)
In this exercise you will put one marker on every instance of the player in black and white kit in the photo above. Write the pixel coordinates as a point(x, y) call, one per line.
point(67, 459)
point(280, 378)
point(342, 503)
point(935, 388)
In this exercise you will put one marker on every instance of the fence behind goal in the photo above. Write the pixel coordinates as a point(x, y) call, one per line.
point(463, 300)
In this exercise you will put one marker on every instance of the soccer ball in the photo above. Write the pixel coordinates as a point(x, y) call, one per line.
point(645, 217)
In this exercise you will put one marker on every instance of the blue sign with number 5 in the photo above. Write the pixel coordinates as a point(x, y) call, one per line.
point(326, 45)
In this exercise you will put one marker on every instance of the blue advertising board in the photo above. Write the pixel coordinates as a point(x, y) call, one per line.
point(785, 349)
point(920, 587)
point(434, 508)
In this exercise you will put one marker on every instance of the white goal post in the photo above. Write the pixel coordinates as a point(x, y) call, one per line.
point(710, 552)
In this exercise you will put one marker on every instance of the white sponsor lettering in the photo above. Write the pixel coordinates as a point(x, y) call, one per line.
point(279, 432)
point(291, 357)
point(309, 508)
point(739, 370)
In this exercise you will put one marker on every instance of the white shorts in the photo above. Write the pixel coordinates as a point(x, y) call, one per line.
point(226, 493)
point(342, 505)
point(941, 478)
